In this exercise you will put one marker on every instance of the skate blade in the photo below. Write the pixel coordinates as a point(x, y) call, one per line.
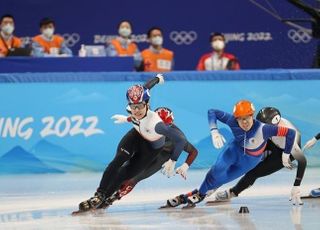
point(90, 211)
point(166, 207)
point(79, 212)
point(310, 197)
point(189, 206)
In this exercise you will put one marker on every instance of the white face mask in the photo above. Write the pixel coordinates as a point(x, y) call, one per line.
point(48, 32)
point(157, 40)
point(218, 45)
point(125, 32)
point(8, 29)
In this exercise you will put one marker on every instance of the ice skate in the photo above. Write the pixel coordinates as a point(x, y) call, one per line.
point(176, 201)
point(224, 196)
point(109, 201)
point(95, 202)
point(193, 200)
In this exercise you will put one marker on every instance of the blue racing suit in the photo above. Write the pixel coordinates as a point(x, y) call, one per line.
point(244, 152)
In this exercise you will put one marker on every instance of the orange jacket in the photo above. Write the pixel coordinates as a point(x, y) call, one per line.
point(157, 62)
point(56, 42)
point(13, 42)
point(129, 51)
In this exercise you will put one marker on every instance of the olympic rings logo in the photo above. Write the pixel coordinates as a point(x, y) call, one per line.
point(183, 37)
point(298, 36)
point(71, 39)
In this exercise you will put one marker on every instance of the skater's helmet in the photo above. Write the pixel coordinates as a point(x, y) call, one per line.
point(137, 94)
point(165, 114)
point(243, 108)
point(269, 115)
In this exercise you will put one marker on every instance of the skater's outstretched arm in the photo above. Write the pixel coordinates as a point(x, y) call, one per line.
point(158, 79)
point(310, 143)
point(213, 115)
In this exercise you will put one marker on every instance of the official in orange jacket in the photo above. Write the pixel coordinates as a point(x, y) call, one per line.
point(156, 58)
point(123, 46)
point(7, 40)
point(47, 43)
point(218, 59)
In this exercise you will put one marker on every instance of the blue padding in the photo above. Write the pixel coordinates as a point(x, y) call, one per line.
point(68, 64)
point(274, 74)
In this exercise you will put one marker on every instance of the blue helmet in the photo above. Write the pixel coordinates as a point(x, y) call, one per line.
point(137, 94)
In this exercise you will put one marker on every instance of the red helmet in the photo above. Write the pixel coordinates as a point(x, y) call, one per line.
point(243, 108)
point(165, 114)
point(137, 94)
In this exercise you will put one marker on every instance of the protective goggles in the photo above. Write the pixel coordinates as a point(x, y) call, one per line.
point(137, 106)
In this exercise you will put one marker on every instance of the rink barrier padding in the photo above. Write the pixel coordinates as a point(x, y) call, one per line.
point(60, 122)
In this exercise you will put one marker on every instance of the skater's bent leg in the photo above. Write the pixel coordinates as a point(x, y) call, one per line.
point(219, 171)
point(126, 149)
point(154, 167)
point(270, 165)
point(111, 171)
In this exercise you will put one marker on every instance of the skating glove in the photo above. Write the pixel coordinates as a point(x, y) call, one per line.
point(309, 143)
point(286, 160)
point(168, 168)
point(119, 118)
point(161, 78)
point(182, 170)
point(217, 139)
point(296, 196)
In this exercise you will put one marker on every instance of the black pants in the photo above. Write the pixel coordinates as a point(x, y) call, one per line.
point(154, 166)
point(134, 154)
point(272, 163)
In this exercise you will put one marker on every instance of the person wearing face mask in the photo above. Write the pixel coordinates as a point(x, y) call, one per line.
point(7, 40)
point(156, 58)
point(218, 59)
point(123, 45)
point(47, 43)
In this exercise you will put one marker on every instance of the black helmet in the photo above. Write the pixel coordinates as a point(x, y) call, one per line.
point(269, 115)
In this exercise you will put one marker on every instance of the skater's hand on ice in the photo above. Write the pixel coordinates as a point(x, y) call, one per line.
point(217, 139)
point(296, 196)
point(286, 160)
point(182, 170)
point(168, 168)
point(161, 78)
point(119, 118)
point(309, 143)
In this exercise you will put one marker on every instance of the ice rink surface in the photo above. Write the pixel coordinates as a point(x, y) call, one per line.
point(46, 201)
